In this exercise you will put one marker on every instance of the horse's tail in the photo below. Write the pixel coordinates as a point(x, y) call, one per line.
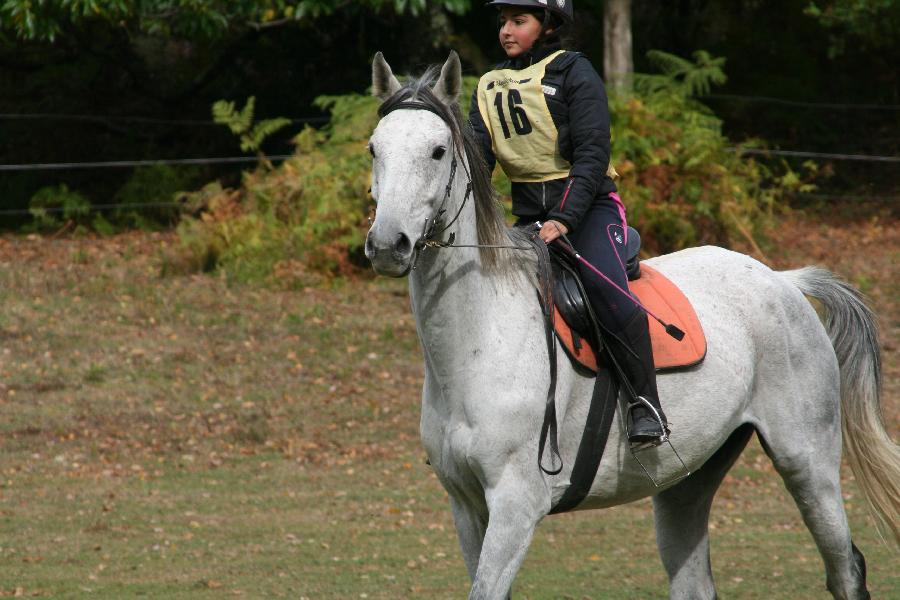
point(873, 456)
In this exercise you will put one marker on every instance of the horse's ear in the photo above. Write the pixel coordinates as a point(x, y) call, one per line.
point(384, 84)
point(449, 84)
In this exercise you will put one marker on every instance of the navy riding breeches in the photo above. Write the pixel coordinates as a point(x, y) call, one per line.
point(600, 239)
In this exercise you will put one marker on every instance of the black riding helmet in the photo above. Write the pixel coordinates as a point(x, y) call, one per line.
point(561, 8)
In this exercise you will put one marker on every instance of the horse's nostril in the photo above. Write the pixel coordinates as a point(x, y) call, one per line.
point(370, 247)
point(403, 245)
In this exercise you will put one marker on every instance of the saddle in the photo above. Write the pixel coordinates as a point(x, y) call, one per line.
point(678, 344)
point(572, 319)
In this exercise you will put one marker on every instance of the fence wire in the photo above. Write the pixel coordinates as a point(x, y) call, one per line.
point(118, 164)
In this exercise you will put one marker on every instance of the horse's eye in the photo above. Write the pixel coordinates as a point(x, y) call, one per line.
point(372, 150)
point(438, 153)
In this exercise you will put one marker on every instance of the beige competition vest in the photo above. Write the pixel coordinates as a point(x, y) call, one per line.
point(523, 135)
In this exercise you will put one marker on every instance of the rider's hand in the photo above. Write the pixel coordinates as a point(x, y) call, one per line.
point(552, 230)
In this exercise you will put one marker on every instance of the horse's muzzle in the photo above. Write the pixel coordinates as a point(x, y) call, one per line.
point(390, 254)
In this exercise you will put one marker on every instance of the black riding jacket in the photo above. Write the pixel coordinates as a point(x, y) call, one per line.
point(580, 112)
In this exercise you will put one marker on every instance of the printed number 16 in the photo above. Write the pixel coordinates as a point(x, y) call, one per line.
point(516, 112)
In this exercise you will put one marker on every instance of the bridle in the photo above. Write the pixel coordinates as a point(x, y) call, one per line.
point(430, 235)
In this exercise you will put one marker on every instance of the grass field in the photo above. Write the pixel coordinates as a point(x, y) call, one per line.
point(183, 438)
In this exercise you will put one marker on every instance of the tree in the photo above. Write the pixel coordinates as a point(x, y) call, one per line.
point(875, 23)
point(43, 21)
point(618, 63)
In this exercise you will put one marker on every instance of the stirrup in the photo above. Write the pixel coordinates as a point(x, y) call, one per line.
point(644, 446)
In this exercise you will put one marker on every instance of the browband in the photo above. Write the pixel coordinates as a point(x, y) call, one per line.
point(384, 110)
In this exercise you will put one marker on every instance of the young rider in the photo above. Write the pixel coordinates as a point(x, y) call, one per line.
point(543, 115)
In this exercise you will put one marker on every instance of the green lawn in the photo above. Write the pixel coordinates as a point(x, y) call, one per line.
point(183, 438)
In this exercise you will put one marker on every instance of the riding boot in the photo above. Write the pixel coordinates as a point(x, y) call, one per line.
point(645, 428)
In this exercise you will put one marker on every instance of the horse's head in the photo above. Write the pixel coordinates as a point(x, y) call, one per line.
point(412, 149)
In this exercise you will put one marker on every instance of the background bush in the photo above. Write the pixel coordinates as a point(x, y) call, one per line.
point(305, 221)
point(146, 200)
point(300, 223)
point(684, 183)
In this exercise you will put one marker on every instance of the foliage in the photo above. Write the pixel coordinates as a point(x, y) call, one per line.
point(147, 199)
point(53, 207)
point(240, 122)
point(681, 178)
point(684, 183)
point(876, 23)
point(298, 223)
point(682, 76)
point(183, 18)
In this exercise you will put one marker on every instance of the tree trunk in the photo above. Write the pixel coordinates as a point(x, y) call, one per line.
point(618, 64)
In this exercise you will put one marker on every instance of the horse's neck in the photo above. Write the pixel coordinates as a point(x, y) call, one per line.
point(450, 292)
point(444, 277)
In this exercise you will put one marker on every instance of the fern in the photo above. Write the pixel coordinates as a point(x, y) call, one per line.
point(682, 180)
point(240, 122)
point(252, 141)
point(694, 78)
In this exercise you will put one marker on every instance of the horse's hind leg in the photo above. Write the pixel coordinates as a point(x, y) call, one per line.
point(682, 519)
point(809, 463)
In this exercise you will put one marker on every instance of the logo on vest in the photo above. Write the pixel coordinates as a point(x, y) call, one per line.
point(561, 3)
point(550, 91)
point(506, 82)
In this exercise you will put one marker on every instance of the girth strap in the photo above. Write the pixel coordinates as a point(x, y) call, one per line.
point(593, 442)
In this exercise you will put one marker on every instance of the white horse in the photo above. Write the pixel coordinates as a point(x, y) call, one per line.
point(770, 368)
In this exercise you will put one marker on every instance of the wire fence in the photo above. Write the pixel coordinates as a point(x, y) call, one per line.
point(803, 104)
point(119, 164)
point(820, 155)
point(87, 208)
point(136, 119)
point(24, 212)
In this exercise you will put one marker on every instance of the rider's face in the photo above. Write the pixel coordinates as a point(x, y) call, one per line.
point(518, 31)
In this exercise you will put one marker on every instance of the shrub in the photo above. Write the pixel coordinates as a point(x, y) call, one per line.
point(300, 223)
point(305, 221)
point(684, 183)
point(147, 199)
point(54, 207)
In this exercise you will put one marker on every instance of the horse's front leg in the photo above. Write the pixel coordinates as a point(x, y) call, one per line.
point(515, 506)
point(471, 523)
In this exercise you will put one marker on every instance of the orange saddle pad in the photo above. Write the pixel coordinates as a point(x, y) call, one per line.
point(661, 296)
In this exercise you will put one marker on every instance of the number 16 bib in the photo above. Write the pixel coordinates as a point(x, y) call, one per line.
point(523, 135)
